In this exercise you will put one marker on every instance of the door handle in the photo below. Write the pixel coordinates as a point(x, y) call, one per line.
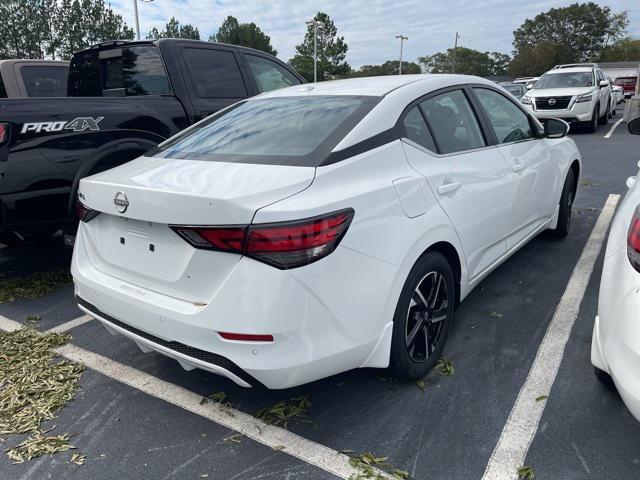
point(449, 187)
point(517, 167)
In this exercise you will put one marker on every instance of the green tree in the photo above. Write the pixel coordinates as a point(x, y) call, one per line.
point(52, 29)
point(584, 28)
point(468, 62)
point(245, 34)
point(332, 51)
point(538, 59)
point(390, 67)
point(173, 29)
point(625, 50)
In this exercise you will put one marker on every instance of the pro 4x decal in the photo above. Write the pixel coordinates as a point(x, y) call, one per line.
point(79, 124)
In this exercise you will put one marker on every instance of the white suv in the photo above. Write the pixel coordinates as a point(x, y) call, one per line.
point(574, 93)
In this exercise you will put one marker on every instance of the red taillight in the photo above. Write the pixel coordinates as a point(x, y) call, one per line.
point(244, 337)
point(4, 132)
point(84, 213)
point(282, 245)
point(633, 240)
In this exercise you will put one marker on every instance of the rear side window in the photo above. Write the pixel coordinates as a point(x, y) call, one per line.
point(45, 81)
point(416, 129)
point(509, 123)
point(453, 123)
point(3, 91)
point(119, 72)
point(214, 73)
point(278, 131)
point(269, 75)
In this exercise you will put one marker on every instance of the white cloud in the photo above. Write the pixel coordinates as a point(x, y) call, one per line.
point(369, 26)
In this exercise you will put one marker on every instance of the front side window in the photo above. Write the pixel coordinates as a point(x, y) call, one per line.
point(269, 75)
point(416, 129)
point(565, 80)
point(214, 73)
point(45, 81)
point(509, 123)
point(275, 131)
point(453, 123)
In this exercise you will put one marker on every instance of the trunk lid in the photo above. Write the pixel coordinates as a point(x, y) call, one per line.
point(135, 244)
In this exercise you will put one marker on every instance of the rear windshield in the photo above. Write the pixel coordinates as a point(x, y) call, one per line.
point(279, 131)
point(45, 81)
point(565, 80)
point(118, 72)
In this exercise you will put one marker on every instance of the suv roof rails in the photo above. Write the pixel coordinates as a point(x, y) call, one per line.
point(572, 65)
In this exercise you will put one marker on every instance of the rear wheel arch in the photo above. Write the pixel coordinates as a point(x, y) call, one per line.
point(452, 256)
point(575, 167)
point(108, 156)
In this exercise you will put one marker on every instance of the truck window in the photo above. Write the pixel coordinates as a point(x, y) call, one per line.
point(214, 73)
point(269, 75)
point(128, 71)
point(45, 81)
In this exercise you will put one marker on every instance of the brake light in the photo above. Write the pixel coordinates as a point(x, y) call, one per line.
point(84, 213)
point(4, 133)
point(633, 240)
point(283, 245)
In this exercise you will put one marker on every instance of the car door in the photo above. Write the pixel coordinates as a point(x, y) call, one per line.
point(214, 78)
point(444, 142)
point(529, 158)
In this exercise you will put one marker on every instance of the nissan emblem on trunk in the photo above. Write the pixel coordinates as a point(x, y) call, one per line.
point(121, 202)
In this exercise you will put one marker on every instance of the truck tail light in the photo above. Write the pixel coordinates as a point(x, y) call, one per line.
point(4, 133)
point(84, 213)
point(283, 245)
point(633, 240)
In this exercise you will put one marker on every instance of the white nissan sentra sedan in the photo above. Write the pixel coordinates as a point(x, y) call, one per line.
point(320, 228)
point(615, 345)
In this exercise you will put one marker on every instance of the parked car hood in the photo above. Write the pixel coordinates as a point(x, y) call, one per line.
point(558, 92)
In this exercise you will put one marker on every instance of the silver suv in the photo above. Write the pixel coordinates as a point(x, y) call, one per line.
point(576, 93)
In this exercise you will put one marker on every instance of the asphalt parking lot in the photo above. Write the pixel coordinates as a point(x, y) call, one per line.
point(446, 430)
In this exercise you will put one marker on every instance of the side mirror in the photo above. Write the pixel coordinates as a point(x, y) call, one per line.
point(529, 87)
point(555, 128)
point(634, 126)
point(604, 83)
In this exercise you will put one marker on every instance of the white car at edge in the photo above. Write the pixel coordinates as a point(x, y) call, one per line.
point(320, 228)
point(576, 93)
point(615, 345)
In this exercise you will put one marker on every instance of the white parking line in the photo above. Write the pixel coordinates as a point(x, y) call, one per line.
point(613, 128)
point(517, 435)
point(275, 437)
point(76, 322)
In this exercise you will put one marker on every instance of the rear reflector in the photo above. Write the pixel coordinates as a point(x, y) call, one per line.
point(4, 133)
point(244, 337)
point(84, 213)
point(633, 240)
point(282, 245)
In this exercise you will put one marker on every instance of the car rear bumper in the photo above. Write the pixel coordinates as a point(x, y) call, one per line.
point(324, 318)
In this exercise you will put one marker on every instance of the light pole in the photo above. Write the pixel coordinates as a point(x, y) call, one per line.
point(402, 39)
point(455, 47)
point(316, 25)
point(135, 10)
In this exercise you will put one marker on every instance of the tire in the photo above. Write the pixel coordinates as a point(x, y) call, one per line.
point(592, 126)
point(604, 378)
point(422, 318)
point(605, 118)
point(566, 202)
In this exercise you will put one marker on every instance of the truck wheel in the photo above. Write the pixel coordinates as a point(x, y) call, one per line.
point(605, 118)
point(592, 126)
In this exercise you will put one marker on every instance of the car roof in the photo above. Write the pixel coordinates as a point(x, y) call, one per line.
point(571, 69)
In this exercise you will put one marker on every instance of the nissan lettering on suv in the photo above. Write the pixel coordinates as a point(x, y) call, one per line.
point(576, 93)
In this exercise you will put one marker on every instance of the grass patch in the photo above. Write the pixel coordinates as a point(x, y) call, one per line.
point(33, 286)
point(526, 473)
point(33, 387)
point(367, 465)
point(282, 412)
point(445, 367)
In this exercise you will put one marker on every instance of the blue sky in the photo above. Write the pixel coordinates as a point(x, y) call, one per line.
point(369, 26)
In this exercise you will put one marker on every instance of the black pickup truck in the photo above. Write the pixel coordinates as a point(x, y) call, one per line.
point(126, 97)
